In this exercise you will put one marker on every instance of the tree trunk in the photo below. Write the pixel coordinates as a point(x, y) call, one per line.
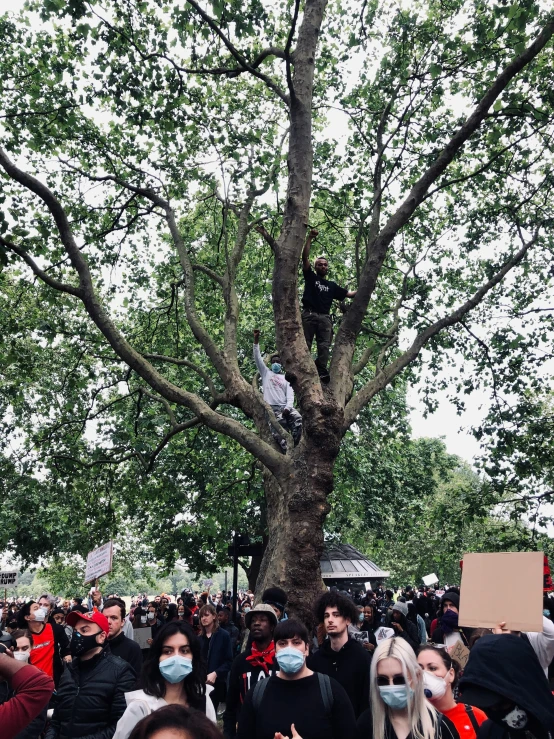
point(297, 508)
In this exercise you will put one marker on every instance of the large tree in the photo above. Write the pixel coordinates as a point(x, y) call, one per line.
point(148, 148)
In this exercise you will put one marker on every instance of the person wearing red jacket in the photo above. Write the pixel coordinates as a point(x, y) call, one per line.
point(32, 690)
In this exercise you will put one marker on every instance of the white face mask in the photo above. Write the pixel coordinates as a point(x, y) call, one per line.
point(434, 686)
point(21, 656)
point(40, 614)
point(151, 616)
point(143, 619)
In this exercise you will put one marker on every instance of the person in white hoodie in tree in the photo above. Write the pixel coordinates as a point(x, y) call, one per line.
point(278, 394)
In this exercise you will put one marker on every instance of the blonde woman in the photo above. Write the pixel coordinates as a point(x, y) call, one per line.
point(398, 707)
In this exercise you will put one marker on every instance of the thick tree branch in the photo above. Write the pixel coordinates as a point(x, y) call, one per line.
point(350, 326)
point(223, 424)
point(363, 397)
point(210, 272)
point(272, 51)
point(186, 363)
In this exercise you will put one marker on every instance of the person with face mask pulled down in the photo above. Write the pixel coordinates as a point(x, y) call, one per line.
point(296, 702)
point(504, 678)
point(440, 677)
point(174, 673)
point(91, 693)
point(279, 395)
point(398, 707)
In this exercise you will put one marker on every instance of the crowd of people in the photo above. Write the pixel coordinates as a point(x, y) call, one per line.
point(373, 665)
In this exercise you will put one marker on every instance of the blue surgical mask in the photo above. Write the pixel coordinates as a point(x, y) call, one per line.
point(276, 367)
point(396, 696)
point(175, 669)
point(546, 613)
point(290, 660)
point(361, 617)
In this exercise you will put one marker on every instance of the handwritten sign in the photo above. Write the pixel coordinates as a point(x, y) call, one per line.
point(460, 653)
point(431, 579)
point(383, 633)
point(8, 579)
point(99, 562)
point(141, 636)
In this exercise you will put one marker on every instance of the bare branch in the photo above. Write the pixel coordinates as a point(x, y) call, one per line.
point(163, 401)
point(186, 363)
point(210, 272)
point(525, 498)
point(288, 47)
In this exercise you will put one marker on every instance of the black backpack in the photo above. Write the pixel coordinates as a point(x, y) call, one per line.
point(324, 687)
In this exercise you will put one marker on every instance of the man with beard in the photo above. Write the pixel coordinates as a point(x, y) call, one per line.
point(256, 663)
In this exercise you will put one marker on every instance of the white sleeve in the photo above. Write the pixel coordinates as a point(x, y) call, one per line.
point(543, 643)
point(210, 710)
point(134, 712)
point(262, 369)
point(290, 397)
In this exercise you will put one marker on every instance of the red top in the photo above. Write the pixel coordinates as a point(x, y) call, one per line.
point(33, 689)
point(462, 722)
point(42, 653)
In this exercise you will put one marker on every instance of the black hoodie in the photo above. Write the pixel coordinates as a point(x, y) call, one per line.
point(507, 665)
point(349, 666)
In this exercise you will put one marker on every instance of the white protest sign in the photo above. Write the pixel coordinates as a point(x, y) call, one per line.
point(367, 586)
point(8, 579)
point(383, 633)
point(430, 579)
point(141, 636)
point(99, 562)
point(207, 583)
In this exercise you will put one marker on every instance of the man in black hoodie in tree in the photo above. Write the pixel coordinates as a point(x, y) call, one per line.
point(339, 656)
point(504, 678)
point(256, 663)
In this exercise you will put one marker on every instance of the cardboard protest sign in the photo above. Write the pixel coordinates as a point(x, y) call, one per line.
point(8, 579)
point(486, 591)
point(141, 636)
point(383, 633)
point(99, 562)
point(460, 653)
point(431, 579)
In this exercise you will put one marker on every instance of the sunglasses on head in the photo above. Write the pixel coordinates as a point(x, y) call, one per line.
point(383, 680)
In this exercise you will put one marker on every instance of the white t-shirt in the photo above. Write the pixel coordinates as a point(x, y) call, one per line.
point(139, 705)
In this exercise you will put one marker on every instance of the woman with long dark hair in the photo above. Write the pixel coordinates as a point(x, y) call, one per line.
point(173, 673)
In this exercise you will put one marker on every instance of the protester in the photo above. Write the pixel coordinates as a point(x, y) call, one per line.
point(173, 673)
point(153, 621)
point(30, 692)
point(216, 651)
point(176, 722)
point(277, 599)
point(541, 641)
point(121, 645)
point(225, 623)
point(296, 701)
point(371, 622)
point(252, 665)
point(278, 394)
point(402, 626)
point(339, 656)
point(90, 698)
point(317, 299)
point(50, 643)
point(398, 707)
point(504, 678)
point(447, 631)
point(440, 678)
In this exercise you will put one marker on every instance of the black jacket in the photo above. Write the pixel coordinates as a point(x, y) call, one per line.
point(128, 650)
point(507, 665)
point(217, 653)
point(242, 677)
point(350, 668)
point(409, 631)
point(91, 698)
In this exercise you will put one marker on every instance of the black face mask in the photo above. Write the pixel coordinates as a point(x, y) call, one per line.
point(81, 644)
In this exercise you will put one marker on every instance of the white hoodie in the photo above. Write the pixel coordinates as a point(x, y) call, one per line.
point(276, 390)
